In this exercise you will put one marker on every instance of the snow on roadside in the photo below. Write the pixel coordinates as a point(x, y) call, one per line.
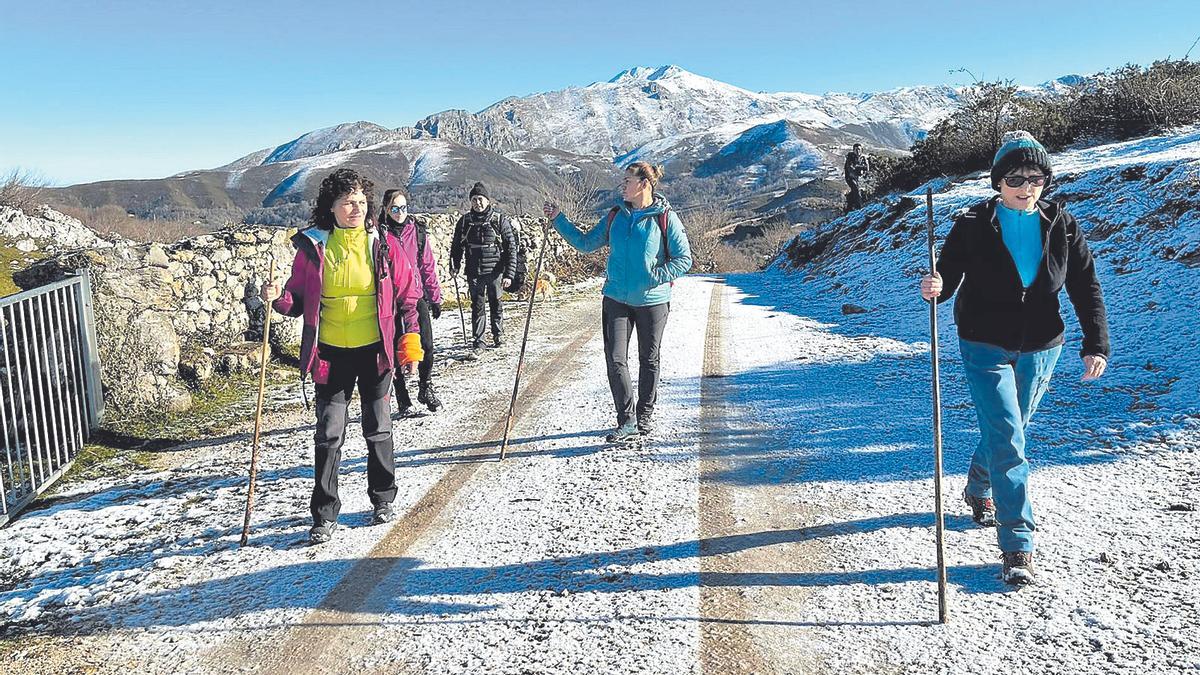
point(571, 556)
point(156, 553)
point(1117, 564)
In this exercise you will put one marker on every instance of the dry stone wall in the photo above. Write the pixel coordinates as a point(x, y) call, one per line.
point(169, 316)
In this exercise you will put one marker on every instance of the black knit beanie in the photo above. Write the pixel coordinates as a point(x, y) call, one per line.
point(480, 190)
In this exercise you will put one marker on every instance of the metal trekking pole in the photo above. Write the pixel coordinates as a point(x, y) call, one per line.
point(262, 383)
point(512, 405)
point(458, 300)
point(937, 420)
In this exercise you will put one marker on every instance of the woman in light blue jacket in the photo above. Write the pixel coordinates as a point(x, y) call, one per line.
point(647, 251)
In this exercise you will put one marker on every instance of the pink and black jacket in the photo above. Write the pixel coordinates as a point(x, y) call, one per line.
point(424, 260)
point(397, 290)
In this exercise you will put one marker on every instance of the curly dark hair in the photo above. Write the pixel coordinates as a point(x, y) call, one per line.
point(335, 186)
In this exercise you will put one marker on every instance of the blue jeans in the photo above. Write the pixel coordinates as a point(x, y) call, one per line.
point(1006, 387)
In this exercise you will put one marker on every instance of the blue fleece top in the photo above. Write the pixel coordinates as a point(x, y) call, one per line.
point(637, 271)
point(1022, 233)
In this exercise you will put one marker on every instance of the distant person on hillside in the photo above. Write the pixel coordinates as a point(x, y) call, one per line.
point(648, 250)
point(858, 165)
point(349, 279)
point(484, 236)
point(1009, 257)
point(413, 236)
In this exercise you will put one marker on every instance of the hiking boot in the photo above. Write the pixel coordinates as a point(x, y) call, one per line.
point(983, 509)
point(626, 433)
point(476, 350)
point(497, 341)
point(1018, 568)
point(429, 398)
point(383, 514)
point(645, 424)
point(321, 532)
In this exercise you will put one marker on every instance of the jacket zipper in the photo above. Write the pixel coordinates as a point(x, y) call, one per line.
point(1045, 234)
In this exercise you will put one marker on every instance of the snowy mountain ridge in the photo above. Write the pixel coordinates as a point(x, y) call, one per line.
point(643, 104)
point(750, 143)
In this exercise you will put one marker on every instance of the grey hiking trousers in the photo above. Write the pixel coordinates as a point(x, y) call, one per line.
point(620, 321)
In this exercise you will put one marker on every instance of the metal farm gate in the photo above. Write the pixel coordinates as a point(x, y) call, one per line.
point(50, 396)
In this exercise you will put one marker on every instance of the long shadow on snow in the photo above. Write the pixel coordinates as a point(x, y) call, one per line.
point(276, 533)
point(872, 420)
point(404, 580)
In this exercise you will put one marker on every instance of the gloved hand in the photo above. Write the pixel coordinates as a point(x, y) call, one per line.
point(435, 310)
point(409, 352)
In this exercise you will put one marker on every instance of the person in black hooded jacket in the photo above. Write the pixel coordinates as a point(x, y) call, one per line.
point(1008, 258)
point(484, 237)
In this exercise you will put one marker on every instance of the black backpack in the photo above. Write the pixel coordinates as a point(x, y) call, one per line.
point(422, 235)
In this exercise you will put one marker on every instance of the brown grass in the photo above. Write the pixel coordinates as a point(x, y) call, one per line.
point(112, 219)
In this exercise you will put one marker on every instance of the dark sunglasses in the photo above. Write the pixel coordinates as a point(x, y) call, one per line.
point(398, 209)
point(1018, 181)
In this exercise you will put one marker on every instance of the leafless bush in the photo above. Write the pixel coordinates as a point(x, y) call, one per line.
point(576, 194)
point(751, 253)
point(20, 188)
point(704, 227)
point(1124, 103)
point(1135, 100)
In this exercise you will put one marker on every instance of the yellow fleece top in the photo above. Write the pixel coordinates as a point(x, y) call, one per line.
point(349, 315)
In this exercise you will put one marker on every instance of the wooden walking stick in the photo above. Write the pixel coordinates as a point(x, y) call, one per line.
point(262, 383)
point(512, 405)
point(937, 420)
point(461, 321)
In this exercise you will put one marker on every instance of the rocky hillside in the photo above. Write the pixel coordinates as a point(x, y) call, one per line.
point(1139, 203)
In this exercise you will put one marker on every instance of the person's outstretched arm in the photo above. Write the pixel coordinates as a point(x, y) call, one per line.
point(588, 241)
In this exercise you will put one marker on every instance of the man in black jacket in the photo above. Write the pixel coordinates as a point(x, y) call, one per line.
point(485, 237)
point(857, 166)
point(1009, 257)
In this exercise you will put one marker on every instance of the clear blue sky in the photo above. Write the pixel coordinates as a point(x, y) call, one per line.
point(121, 89)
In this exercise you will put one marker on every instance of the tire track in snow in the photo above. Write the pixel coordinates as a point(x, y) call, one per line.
point(726, 646)
point(748, 532)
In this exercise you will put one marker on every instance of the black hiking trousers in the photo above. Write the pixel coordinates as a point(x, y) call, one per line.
point(486, 286)
point(854, 198)
point(619, 322)
point(425, 367)
point(349, 368)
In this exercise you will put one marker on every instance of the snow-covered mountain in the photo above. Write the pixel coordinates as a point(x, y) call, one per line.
point(644, 105)
point(435, 171)
point(714, 137)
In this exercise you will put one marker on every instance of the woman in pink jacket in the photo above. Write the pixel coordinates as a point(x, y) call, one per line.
point(349, 280)
point(413, 237)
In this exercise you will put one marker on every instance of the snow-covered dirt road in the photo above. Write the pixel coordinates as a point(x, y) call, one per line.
point(779, 522)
